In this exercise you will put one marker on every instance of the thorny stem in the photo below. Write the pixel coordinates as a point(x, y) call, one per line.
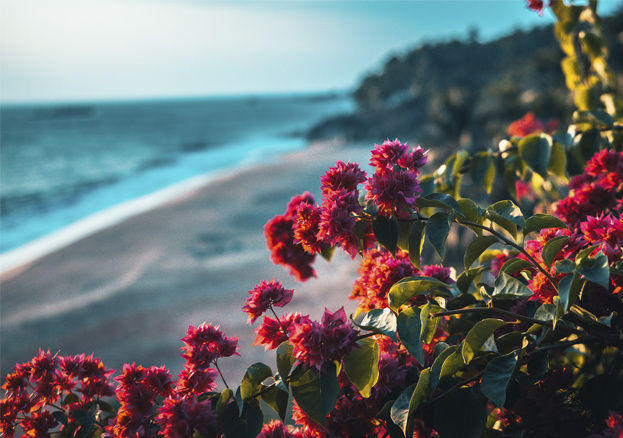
point(507, 313)
point(221, 374)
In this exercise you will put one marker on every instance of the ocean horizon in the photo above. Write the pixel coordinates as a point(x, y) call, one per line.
point(70, 170)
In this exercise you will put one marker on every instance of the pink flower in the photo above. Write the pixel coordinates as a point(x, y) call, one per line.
point(387, 155)
point(193, 381)
point(414, 160)
point(264, 296)
point(377, 274)
point(295, 202)
point(276, 429)
point(284, 251)
point(439, 272)
point(206, 343)
point(316, 344)
point(181, 417)
point(337, 221)
point(344, 176)
point(272, 332)
point(536, 5)
point(306, 228)
point(394, 192)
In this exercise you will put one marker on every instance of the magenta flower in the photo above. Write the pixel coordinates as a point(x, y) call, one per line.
point(272, 332)
point(414, 160)
point(181, 417)
point(316, 344)
point(276, 429)
point(393, 192)
point(344, 176)
point(385, 156)
point(337, 221)
point(205, 344)
point(306, 228)
point(264, 296)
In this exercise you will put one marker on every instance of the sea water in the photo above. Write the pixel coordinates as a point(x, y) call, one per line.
point(68, 170)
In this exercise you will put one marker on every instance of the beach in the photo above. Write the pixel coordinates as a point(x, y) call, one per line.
point(128, 292)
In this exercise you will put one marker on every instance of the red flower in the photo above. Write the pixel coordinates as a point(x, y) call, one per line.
point(276, 429)
point(337, 221)
point(317, 344)
point(264, 296)
point(205, 344)
point(272, 332)
point(394, 192)
point(39, 424)
point(385, 156)
point(306, 228)
point(536, 5)
point(344, 176)
point(181, 417)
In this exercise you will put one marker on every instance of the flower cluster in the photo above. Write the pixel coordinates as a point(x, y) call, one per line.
point(598, 190)
point(529, 124)
point(318, 343)
point(264, 296)
point(307, 229)
point(281, 241)
point(47, 380)
point(394, 185)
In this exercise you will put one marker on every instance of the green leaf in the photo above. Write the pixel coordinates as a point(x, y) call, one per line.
point(535, 150)
point(437, 231)
point(453, 363)
point(507, 287)
point(362, 366)
point(497, 376)
point(386, 232)
point(595, 269)
point(278, 400)
point(541, 221)
point(61, 417)
point(404, 231)
point(547, 312)
point(459, 414)
point(565, 266)
point(429, 325)
point(427, 184)
point(315, 393)
point(422, 391)
point(602, 393)
point(402, 291)
point(416, 241)
point(327, 253)
point(558, 160)
point(441, 200)
point(551, 249)
point(86, 420)
point(479, 166)
point(507, 215)
point(285, 360)
point(252, 381)
point(409, 331)
point(471, 213)
point(381, 321)
point(435, 370)
point(569, 289)
point(514, 265)
point(400, 410)
point(246, 425)
point(476, 247)
point(478, 335)
point(226, 395)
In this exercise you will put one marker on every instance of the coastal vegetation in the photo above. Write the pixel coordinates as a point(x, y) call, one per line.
point(522, 338)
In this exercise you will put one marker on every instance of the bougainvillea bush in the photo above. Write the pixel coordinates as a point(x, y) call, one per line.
point(524, 342)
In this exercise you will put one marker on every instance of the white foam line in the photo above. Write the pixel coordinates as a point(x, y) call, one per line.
point(101, 220)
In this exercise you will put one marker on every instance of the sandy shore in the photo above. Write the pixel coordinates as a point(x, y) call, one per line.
point(128, 293)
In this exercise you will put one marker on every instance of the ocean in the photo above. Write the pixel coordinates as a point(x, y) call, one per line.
point(68, 170)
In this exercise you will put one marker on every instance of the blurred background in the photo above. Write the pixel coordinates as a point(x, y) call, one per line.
point(110, 109)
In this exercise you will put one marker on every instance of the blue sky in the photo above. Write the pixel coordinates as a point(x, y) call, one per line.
point(79, 50)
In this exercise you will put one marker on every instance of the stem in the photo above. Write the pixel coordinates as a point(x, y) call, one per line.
point(367, 335)
point(283, 329)
point(263, 390)
point(507, 313)
point(458, 385)
point(514, 245)
point(221, 374)
point(566, 344)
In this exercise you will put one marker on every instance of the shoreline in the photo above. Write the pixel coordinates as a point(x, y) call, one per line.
point(129, 291)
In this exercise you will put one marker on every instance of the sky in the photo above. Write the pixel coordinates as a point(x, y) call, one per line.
point(86, 50)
